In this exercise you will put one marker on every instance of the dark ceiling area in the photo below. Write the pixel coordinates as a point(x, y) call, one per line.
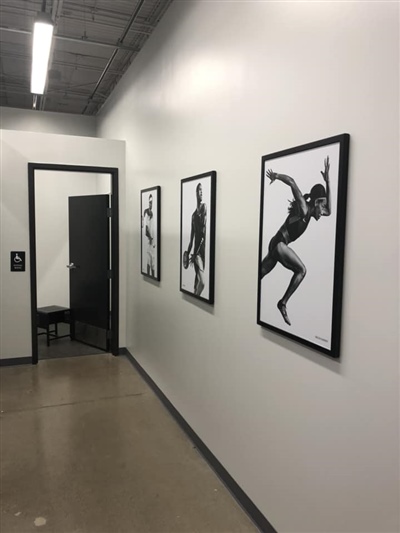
point(94, 43)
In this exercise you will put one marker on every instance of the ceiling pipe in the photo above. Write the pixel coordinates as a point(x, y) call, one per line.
point(54, 10)
point(121, 39)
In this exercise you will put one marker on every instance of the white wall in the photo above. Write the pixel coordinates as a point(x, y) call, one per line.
point(103, 183)
point(46, 122)
point(52, 191)
point(312, 441)
point(17, 149)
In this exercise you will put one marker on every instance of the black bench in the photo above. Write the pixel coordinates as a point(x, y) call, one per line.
point(52, 314)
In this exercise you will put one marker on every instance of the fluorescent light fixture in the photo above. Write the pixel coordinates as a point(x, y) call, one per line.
point(42, 36)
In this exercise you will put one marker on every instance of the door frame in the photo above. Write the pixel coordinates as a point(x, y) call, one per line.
point(32, 167)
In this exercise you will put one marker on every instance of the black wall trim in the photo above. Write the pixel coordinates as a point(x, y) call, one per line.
point(16, 361)
point(114, 246)
point(242, 498)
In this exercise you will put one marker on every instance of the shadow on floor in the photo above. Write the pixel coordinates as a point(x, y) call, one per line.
point(63, 347)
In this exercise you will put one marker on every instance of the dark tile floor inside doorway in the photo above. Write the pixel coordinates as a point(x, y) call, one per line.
point(63, 347)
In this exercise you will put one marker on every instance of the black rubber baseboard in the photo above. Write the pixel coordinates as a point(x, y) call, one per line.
point(242, 498)
point(16, 361)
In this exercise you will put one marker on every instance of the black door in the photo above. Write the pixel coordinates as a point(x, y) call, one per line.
point(89, 253)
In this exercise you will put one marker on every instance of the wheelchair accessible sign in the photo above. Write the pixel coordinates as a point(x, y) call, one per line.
point(17, 261)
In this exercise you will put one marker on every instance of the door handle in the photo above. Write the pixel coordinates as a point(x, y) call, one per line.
point(71, 266)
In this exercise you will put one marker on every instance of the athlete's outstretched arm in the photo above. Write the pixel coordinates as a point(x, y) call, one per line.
point(325, 175)
point(293, 185)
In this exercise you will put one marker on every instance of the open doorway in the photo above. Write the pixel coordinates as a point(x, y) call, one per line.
point(74, 260)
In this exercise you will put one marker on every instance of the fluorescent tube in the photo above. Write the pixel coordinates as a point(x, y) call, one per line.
point(42, 36)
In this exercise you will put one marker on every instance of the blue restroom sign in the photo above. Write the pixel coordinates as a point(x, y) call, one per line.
point(17, 261)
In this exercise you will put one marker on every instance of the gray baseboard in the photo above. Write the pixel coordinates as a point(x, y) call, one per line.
point(238, 493)
point(16, 361)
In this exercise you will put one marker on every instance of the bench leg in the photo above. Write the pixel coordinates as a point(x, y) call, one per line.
point(48, 334)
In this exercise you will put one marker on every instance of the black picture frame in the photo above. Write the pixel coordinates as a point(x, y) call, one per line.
point(197, 272)
point(300, 262)
point(150, 233)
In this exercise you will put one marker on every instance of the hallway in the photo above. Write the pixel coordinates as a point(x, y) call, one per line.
point(87, 447)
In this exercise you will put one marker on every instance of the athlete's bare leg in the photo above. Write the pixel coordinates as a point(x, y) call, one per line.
point(290, 260)
point(200, 283)
point(267, 264)
point(270, 260)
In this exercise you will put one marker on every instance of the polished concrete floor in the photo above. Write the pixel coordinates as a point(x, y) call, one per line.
point(86, 447)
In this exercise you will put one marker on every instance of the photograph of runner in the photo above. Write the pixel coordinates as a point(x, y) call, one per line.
point(301, 247)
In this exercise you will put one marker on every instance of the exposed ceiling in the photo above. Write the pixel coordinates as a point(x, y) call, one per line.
point(94, 43)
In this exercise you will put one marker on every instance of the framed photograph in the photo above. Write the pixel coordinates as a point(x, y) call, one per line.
point(198, 236)
point(150, 213)
point(301, 242)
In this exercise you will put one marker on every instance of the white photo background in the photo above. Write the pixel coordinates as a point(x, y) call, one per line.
point(150, 252)
point(188, 206)
point(310, 307)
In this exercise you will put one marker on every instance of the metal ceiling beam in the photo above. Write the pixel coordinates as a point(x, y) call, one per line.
point(67, 90)
point(77, 66)
point(105, 12)
point(15, 80)
point(76, 96)
point(107, 25)
point(16, 89)
point(27, 93)
point(2, 74)
point(146, 29)
point(117, 45)
point(107, 67)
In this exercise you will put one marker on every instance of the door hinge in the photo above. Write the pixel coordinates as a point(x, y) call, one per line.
point(109, 212)
point(109, 334)
point(109, 274)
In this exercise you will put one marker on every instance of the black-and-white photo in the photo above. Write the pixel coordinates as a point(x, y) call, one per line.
point(198, 235)
point(150, 208)
point(301, 248)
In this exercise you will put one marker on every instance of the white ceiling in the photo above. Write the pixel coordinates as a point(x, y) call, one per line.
point(95, 42)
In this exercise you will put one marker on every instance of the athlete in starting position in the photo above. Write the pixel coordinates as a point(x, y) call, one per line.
point(198, 235)
point(302, 208)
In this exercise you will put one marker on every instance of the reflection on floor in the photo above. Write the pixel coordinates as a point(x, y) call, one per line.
point(87, 447)
point(63, 347)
